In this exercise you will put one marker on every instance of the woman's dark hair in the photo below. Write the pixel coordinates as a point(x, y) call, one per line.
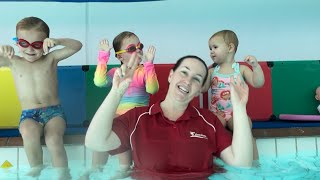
point(178, 63)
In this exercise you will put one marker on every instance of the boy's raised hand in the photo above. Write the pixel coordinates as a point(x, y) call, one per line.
point(104, 45)
point(123, 75)
point(251, 60)
point(7, 51)
point(149, 55)
point(48, 43)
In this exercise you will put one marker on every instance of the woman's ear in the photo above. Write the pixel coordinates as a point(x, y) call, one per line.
point(170, 76)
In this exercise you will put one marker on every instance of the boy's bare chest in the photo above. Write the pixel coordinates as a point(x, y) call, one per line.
point(36, 70)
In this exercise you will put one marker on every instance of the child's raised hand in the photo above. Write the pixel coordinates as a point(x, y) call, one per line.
point(239, 91)
point(149, 55)
point(251, 60)
point(7, 51)
point(123, 75)
point(48, 43)
point(104, 45)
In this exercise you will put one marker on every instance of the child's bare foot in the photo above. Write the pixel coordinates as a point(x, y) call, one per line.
point(35, 171)
point(123, 172)
point(120, 174)
point(86, 174)
point(63, 173)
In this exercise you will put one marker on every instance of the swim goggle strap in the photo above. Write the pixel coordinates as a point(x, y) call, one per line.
point(131, 48)
point(25, 44)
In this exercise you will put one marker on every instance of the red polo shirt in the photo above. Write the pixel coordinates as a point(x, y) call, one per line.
point(164, 149)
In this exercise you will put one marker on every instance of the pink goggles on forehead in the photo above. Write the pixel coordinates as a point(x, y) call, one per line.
point(25, 44)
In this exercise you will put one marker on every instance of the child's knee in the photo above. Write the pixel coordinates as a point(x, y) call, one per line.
point(30, 130)
point(53, 140)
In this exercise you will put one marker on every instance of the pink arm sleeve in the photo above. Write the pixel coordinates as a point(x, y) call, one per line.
point(100, 75)
point(152, 85)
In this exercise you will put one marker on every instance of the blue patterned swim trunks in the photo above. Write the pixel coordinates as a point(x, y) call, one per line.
point(42, 115)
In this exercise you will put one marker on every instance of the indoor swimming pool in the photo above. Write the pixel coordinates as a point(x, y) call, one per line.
point(281, 168)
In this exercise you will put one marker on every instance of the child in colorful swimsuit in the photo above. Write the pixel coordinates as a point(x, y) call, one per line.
point(220, 92)
point(144, 83)
point(318, 97)
point(35, 77)
point(223, 46)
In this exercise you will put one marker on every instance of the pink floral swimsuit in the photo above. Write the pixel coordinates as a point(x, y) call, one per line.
point(220, 92)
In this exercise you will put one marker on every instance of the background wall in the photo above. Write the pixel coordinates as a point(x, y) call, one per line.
point(271, 30)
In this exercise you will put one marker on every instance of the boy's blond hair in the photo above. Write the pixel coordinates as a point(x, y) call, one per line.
point(35, 23)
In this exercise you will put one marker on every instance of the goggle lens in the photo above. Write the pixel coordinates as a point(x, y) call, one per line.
point(24, 43)
point(133, 48)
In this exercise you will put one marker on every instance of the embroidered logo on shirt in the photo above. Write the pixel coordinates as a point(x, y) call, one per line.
point(196, 135)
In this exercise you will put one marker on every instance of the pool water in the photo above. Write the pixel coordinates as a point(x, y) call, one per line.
point(274, 169)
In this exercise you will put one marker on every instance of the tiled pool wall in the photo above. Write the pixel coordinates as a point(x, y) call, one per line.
point(288, 147)
point(268, 148)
